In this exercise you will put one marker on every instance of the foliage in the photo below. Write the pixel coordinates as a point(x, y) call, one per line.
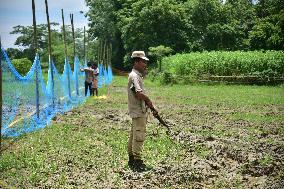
point(22, 65)
point(158, 53)
point(193, 25)
point(25, 41)
point(238, 63)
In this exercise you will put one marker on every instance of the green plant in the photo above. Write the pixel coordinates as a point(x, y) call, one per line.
point(22, 65)
point(253, 63)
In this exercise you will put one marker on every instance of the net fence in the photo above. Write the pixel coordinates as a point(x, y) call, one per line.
point(29, 103)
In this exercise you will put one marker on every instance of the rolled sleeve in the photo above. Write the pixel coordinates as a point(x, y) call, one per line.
point(135, 82)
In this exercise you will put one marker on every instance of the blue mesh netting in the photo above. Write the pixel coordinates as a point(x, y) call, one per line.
point(61, 93)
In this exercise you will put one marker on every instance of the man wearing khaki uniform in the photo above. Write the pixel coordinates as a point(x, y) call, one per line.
point(138, 103)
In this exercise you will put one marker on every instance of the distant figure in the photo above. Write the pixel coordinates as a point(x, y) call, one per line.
point(95, 79)
point(89, 73)
point(138, 103)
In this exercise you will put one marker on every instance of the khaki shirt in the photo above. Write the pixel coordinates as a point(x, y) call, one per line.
point(136, 107)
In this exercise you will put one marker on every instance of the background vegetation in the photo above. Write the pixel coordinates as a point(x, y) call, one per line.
point(180, 25)
point(187, 25)
point(265, 65)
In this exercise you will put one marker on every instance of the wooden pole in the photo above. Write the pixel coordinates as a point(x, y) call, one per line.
point(84, 43)
point(34, 26)
point(110, 53)
point(87, 45)
point(64, 34)
point(50, 51)
point(101, 51)
point(109, 56)
point(36, 49)
point(98, 50)
point(73, 34)
point(49, 32)
point(104, 53)
point(1, 97)
point(65, 46)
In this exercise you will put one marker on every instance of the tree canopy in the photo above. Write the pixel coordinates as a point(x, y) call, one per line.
point(187, 25)
point(181, 25)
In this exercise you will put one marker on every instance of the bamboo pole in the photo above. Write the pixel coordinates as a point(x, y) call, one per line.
point(110, 53)
point(50, 51)
point(101, 52)
point(73, 34)
point(36, 49)
point(64, 34)
point(49, 32)
point(97, 50)
point(1, 97)
point(104, 53)
point(65, 46)
point(85, 44)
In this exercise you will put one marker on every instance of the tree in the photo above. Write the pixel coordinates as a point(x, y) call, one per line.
point(14, 53)
point(267, 33)
point(153, 23)
point(159, 52)
point(25, 40)
point(103, 26)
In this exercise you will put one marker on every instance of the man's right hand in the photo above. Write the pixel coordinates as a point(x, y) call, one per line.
point(154, 112)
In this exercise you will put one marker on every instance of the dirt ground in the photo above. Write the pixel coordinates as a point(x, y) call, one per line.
point(213, 147)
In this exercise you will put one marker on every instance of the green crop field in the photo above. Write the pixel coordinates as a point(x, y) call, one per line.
point(262, 65)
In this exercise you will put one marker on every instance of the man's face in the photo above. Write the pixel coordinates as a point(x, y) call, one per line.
point(142, 66)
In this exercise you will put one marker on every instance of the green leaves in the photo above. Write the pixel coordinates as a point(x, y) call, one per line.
point(253, 63)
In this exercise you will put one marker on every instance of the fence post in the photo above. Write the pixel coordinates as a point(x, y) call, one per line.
point(74, 52)
point(36, 48)
point(0, 97)
point(85, 44)
point(66, 60)
point(50, 53)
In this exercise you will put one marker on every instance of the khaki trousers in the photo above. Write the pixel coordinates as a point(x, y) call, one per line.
point(137, 137)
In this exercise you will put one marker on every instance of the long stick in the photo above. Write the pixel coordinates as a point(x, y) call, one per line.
point(84, 43)
point(34, 26)
point(101, 51)
point(110, 53)
point(104, 53)
point(0, 95)
point(73, 34)
point(65, 46)
point(74, 51)
point(50, 51)
point(64, 34)
point(98, 51)
point(48, 27)
point(36, 49)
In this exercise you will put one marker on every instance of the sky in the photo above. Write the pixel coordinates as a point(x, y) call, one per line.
point(19, 12)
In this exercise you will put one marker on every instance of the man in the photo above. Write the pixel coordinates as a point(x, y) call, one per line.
point(89, 76)
point(95, 80)
point(138, 103)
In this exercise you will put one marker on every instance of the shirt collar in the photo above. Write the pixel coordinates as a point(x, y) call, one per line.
point(137, 72)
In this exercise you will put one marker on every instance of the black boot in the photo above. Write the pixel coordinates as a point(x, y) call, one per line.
point(139, 165)
point(131, 161)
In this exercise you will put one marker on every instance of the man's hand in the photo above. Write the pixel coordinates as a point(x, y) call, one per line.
point(154, 112)
point(148, 102)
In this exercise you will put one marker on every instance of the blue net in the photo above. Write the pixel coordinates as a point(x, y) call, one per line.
point(29, 103)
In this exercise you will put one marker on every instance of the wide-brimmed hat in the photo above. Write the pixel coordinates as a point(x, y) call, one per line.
point(139, 54)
